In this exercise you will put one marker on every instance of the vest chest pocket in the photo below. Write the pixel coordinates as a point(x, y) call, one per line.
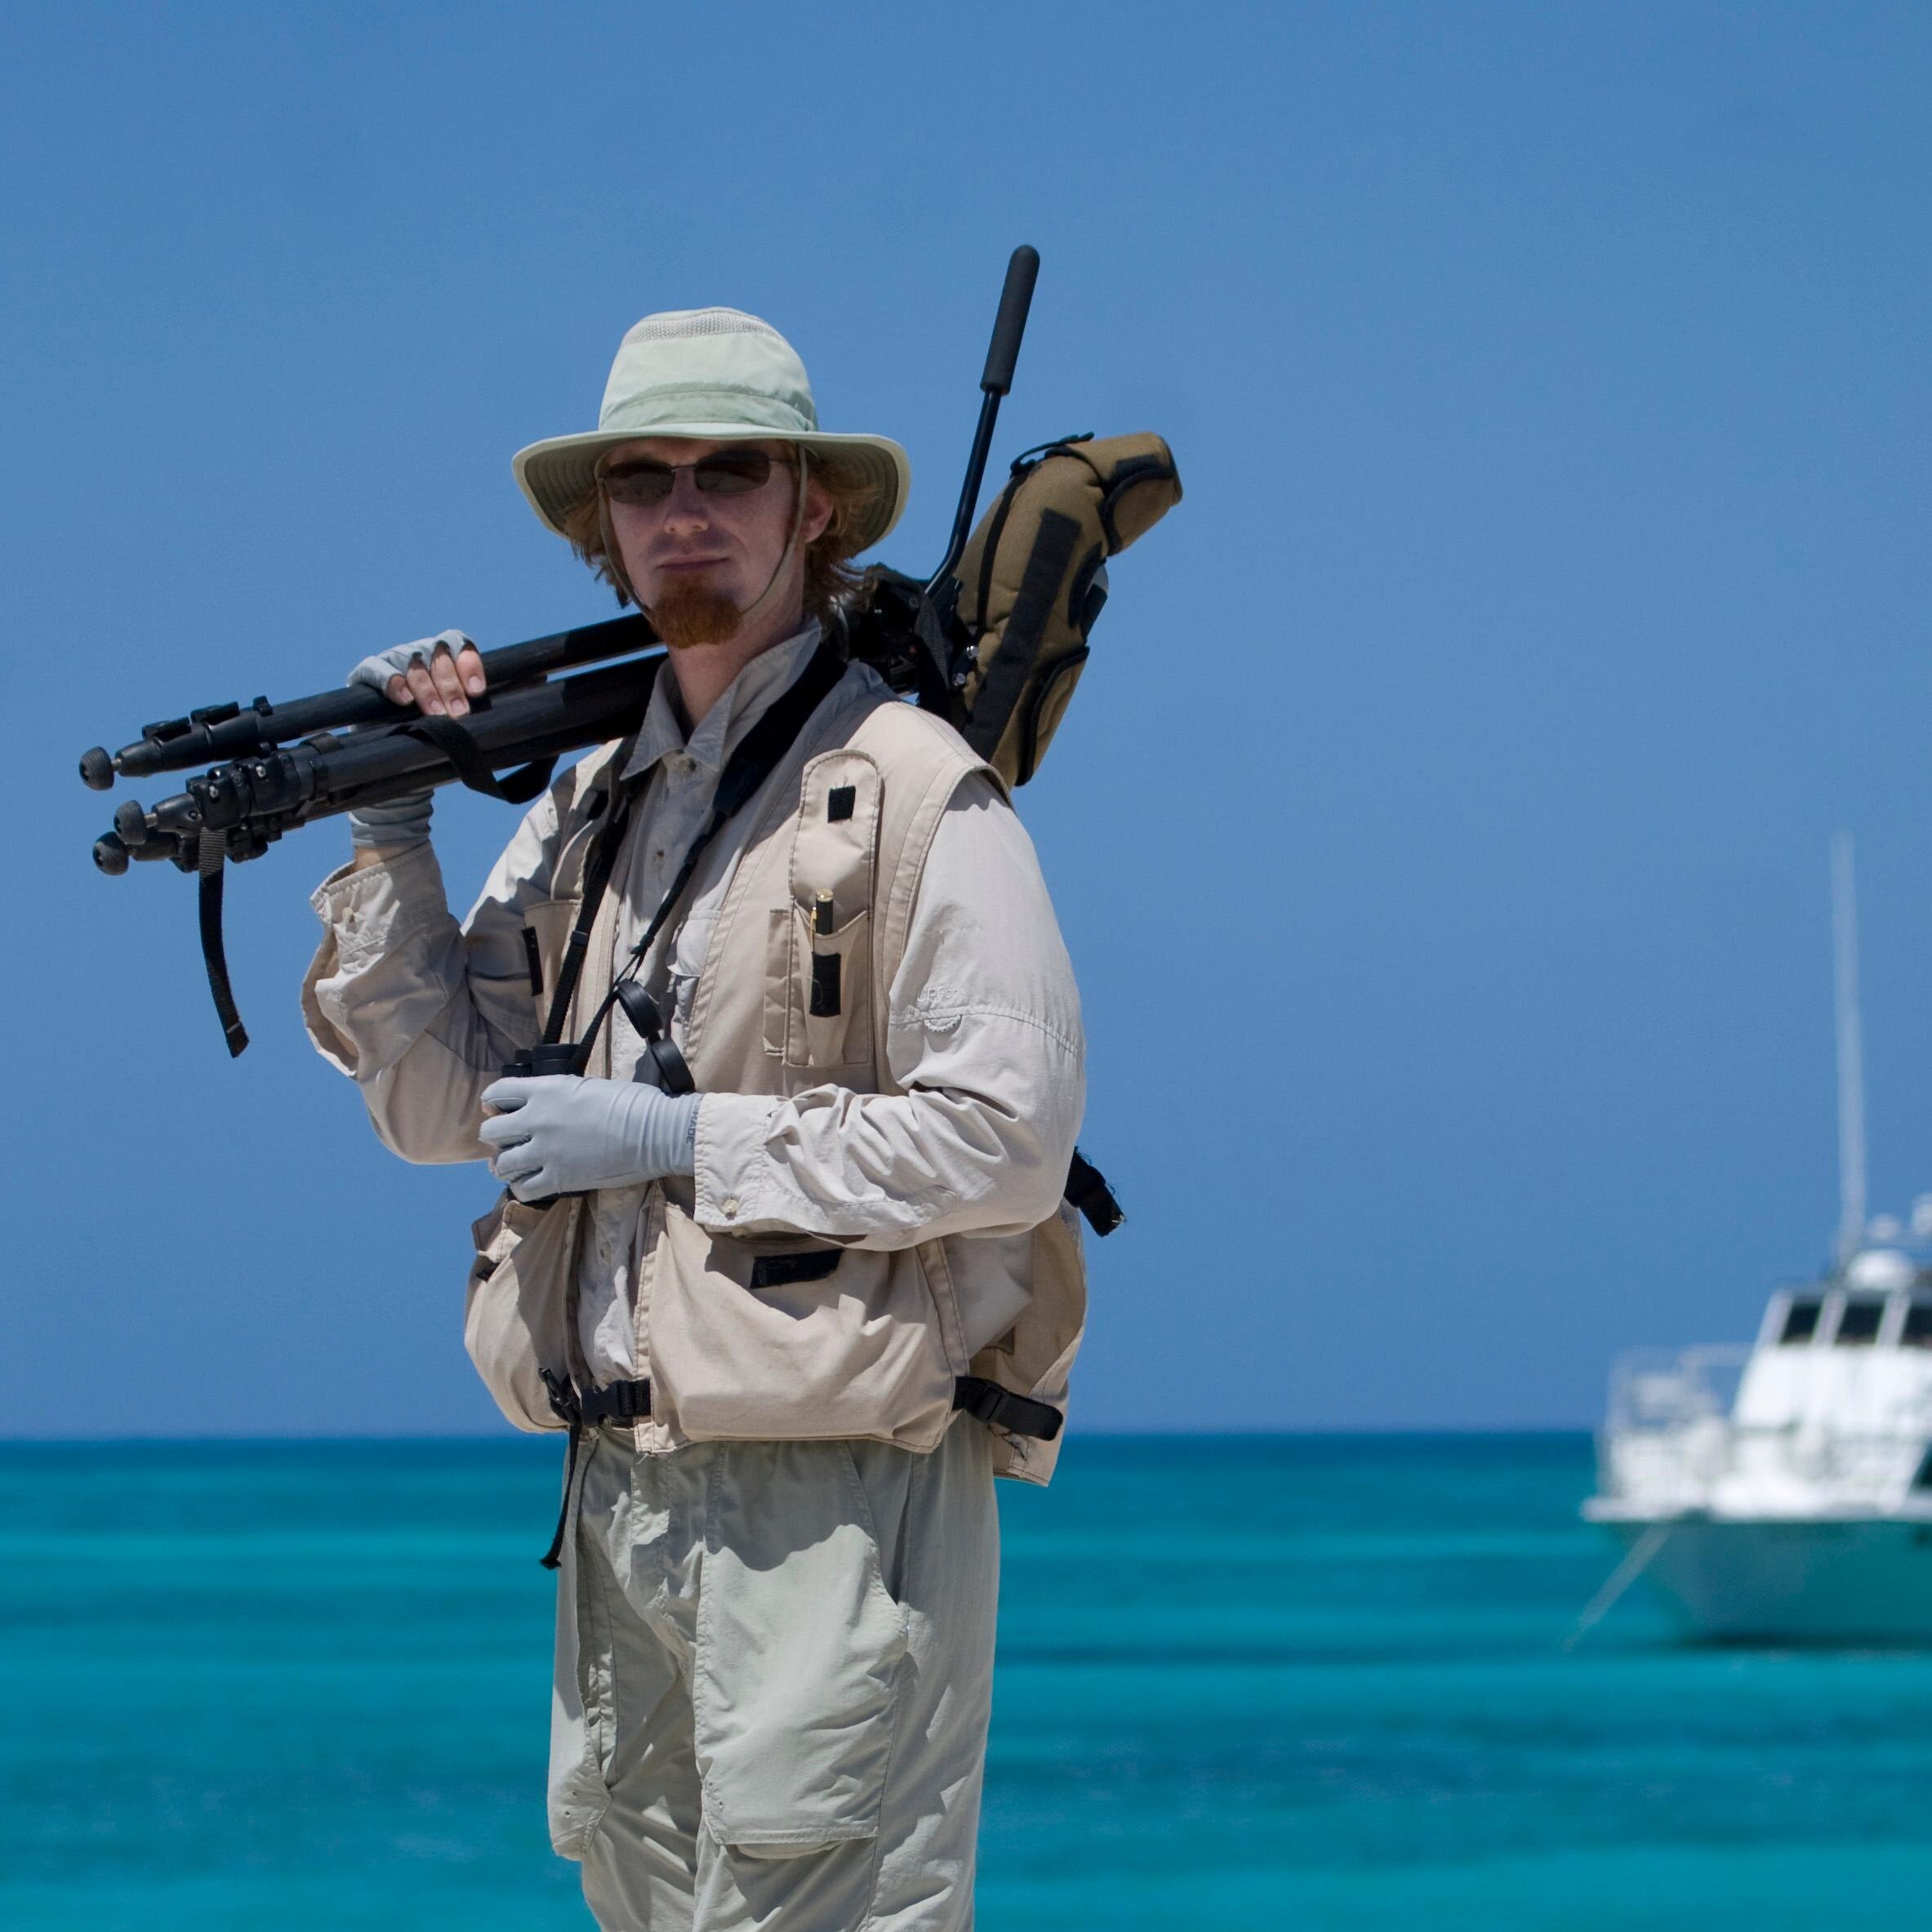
point(547, 923)
point(819, 989)
point(818, 958)
point(547, 927)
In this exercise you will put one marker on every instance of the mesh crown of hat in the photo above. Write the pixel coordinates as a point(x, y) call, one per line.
point(679, 325)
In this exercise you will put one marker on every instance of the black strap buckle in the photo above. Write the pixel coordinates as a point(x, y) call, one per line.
point(620, 1402)
point(1000, 1409)
point(563, 1399)
point(617, 1402)
point(579, 1409)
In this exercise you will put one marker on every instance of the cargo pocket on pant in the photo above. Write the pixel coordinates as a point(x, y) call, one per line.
point(799, 1646)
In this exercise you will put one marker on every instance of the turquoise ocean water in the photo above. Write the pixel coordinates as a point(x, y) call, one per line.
point(1289, 1682)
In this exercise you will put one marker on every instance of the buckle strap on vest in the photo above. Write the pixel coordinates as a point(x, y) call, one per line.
point(1001, 1408)
point(630, 1402)
point(616, 1402)
point(583, 1408)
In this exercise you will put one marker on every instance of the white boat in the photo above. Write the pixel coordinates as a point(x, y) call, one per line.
point(1783, 1492)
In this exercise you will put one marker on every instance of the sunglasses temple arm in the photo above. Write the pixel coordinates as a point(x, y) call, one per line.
point(1016, 299)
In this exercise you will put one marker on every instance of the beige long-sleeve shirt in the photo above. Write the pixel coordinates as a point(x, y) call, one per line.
point(984, 1036)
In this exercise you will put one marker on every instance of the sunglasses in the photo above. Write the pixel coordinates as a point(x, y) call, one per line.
point(725, 473)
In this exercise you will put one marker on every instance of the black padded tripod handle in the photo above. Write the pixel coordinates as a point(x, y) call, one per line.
point(1010, 324)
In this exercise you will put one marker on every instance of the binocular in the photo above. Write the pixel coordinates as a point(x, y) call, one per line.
point(661, 1064)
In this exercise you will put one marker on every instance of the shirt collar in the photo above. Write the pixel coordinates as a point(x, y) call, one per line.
point(744, 701)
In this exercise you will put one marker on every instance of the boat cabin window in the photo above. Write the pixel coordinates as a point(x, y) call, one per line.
point(1923, 1480)
point(1918, 1326)
point(1859, 1321)
point(1801, 1320)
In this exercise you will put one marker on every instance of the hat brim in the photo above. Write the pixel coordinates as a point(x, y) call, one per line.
point(557, 475)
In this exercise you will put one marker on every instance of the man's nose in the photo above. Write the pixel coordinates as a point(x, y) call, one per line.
point(687, 509)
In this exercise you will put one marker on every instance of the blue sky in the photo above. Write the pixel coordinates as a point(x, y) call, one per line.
point(1440, 832)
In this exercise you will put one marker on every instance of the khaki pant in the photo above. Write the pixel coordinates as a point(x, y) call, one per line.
point(774, 1670)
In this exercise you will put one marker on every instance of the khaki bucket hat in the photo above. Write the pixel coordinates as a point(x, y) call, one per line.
point(721, 376)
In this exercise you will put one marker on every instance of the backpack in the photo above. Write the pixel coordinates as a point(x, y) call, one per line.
point(1033, 580)
point(997, 647)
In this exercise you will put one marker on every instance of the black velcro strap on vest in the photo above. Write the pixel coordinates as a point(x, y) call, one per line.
point(1087, 1188)
point(1001, 1408)
point(460, 748)
point(781, 1271)
point(1019, 646)
point(824, 986)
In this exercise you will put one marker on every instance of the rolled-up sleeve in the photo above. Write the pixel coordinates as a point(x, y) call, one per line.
point(420, 1011)
point(984, 1041)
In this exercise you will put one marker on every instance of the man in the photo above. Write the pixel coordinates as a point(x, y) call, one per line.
point(779, 1563)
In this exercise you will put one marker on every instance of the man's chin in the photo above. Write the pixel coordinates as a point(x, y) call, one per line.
point(687, 616)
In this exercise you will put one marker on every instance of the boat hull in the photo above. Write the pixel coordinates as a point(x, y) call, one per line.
point(1835, 1581)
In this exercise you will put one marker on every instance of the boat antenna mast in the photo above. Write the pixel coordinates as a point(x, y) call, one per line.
point(1851, 1060)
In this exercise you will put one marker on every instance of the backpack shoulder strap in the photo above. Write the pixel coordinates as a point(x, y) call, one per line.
point(922, 761)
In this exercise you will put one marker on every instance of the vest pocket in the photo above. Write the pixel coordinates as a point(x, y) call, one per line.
point(856, 1349)
point(1034, 1356)
point(835, 980)
point(513, 1306)
point(547, 927)
point(818, 987)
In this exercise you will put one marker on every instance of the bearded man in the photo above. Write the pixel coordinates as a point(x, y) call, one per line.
point(779, 1555)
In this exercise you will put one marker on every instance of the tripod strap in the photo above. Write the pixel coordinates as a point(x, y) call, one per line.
point(456, 743)
point(212, 865)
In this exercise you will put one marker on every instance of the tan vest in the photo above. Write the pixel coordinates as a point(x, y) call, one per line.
point(792, 996)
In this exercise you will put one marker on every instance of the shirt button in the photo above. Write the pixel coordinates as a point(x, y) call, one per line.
point(731, 1204)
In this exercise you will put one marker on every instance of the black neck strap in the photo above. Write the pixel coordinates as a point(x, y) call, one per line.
point(759, 753)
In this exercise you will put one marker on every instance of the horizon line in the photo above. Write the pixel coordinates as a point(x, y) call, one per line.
point(1356, 1431)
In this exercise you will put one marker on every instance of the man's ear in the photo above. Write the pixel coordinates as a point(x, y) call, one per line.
point(818, 513)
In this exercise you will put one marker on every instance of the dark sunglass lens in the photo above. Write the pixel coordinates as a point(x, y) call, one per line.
point(733, 474)
point(637, 483)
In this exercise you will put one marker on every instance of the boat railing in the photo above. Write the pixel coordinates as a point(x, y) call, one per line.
point(1660, 1391)
point(1860, 1466)
point(1669, 1439)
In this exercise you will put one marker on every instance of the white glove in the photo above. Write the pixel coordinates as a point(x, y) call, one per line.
point(560, 1134)
point(399, 823)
